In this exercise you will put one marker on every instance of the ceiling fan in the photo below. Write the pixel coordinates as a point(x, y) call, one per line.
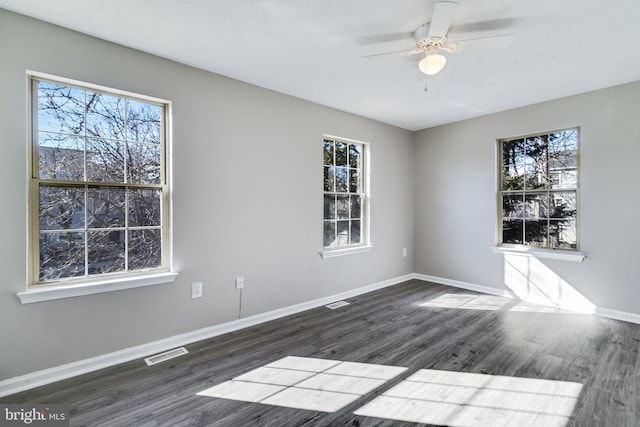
point(433, 37)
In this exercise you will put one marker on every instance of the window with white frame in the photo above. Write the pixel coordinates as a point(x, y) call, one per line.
point(344, 194)
point(99, 187)
point(539, 190)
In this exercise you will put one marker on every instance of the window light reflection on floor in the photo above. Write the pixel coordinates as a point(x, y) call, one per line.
point(467, 399)
point(306, 383)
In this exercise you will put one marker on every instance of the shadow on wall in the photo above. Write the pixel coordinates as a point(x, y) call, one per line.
point(531, 280)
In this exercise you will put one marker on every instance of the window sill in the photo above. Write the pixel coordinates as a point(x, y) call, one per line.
point(332, 253)
point(47, 293)
point(559, 254)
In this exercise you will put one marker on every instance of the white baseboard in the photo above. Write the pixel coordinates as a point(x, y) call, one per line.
point(58, 373)
point(600, 311)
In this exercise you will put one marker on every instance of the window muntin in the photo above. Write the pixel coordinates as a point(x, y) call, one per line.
point(538, 190)
point(344, 194)
point(99, 193)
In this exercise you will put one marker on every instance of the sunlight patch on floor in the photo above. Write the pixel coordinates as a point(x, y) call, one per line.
point(306, 383)
point(468, 399)
point(487, 302)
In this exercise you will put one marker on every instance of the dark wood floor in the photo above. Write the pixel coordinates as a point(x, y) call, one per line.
point(404, 325)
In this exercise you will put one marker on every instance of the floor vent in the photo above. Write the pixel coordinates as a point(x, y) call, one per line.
point(336, 304)
point(152, 360)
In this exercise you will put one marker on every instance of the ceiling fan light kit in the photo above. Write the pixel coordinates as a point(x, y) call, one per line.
point(432, 63)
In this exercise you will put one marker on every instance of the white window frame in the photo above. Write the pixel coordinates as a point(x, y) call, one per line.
point(70, 287)
point(569, 254)
point(365, 244)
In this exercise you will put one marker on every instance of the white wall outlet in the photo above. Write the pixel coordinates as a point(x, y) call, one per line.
point(404, 252)
point(239, 282)
point(196, 290)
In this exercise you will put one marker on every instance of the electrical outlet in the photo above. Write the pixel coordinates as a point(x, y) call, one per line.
point(196, 290)
point(404, 252)
point(239, 282)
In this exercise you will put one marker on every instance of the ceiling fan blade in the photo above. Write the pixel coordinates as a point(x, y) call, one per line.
point(484, 43)
point(384, 38)
point(442, 17)
point(488, 25)
point(396, 52)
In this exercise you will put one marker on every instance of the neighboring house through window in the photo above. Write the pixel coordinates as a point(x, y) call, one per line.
point(98, 190)
point(345, 194)
point(539, 190)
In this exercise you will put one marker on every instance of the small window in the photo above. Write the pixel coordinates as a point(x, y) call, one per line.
point(345, 197)
point(539, 190)
point(98, 187)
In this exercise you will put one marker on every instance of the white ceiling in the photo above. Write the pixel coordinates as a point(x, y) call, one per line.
point(314, 49)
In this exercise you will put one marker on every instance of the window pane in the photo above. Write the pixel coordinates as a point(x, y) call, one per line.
point(105, 207)
point(341, 154)
point(144, 207)
point(513, 159)
point(562, 234)
point(354, 181)
point(105, 160)
point(60, 157)
point(143, 166)
point(536, 175)
point(563, 159)
point(105, 116)
point(355, 232)
point(512, 231)
point(512, 206)
point(105, 251)
point(328, 152)
point(329, 206)
point(61, 255)
point(537, 205)
point(60, 108)
point(329, 234)
point(535, 232)
point(329, 178)
point(356, 207)
point(144, 122)
point(342, 179)
point(343, 206)
point(145, 249)
point(355, 155)
point(564, 204)
point(61, 208)
point(343, 233)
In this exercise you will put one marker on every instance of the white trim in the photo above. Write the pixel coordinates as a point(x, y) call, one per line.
point(332, 253)
point(599, 311)
point(560, 254)
point(618, 315)
point(47, 293)
point(58, 373)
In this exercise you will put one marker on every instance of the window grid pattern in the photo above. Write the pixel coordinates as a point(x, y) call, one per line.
point(99, 180)
point(344, 194)
point(538, 190)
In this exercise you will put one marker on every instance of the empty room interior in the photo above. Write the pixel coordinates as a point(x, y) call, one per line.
point(337, 213)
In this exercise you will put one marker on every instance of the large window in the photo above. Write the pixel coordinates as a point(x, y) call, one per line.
point(539, 189)
point(344, 194)
point(98, 189)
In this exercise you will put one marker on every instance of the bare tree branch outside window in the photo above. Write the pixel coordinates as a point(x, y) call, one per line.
point(100, 163)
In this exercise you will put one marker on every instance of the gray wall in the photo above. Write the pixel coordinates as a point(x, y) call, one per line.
point(247, 201)
point(456, 207)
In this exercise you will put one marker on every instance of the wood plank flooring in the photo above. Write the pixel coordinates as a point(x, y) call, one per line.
point(422, 326)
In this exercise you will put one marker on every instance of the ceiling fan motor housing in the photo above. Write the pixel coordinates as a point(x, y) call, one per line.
point(422, 38)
